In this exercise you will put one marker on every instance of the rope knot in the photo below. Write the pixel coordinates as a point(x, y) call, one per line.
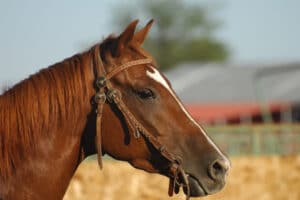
point(100, 82)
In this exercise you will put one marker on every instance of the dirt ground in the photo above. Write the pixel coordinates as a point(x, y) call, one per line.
point(251, 178)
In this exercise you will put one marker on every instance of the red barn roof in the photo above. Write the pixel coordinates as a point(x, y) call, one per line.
point(209, 113)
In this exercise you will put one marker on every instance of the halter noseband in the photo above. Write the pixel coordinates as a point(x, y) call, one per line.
point(105, 92)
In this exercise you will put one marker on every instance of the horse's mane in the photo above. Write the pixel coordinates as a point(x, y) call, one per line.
point(38, 105)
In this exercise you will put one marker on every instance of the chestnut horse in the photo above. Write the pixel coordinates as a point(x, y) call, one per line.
point(110, 100)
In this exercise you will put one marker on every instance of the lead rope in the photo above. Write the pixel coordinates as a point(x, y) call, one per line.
point(176, 168)
point(99, 99)
point(185, 182)
point(114, 96)
point(175, 184)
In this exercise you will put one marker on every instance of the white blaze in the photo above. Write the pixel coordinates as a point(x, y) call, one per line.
point(156, 76)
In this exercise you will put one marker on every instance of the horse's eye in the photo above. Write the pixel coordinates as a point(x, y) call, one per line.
point(145, 93)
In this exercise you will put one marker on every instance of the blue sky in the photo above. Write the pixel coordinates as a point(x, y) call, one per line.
point(35, 33)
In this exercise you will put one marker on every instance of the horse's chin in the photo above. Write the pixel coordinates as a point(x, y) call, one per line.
point(196, 189)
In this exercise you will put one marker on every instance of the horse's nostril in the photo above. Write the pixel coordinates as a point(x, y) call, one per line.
point(217, 166)
point(218, 169)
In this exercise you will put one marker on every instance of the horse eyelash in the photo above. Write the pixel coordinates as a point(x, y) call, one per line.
point(145, 93)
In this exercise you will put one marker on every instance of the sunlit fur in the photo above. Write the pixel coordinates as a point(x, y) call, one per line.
point(36, 106)
point(47, 125)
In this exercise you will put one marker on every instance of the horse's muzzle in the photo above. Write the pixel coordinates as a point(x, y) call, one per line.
point(214, 182)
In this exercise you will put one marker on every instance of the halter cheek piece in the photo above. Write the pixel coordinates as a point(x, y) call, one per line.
point(106, 93)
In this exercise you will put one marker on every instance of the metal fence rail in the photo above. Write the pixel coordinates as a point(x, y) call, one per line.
point(267, 139)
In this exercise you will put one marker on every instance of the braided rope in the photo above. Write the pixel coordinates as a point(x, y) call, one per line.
point(127, 65)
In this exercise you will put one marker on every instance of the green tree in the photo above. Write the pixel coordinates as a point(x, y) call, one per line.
point(182, 32)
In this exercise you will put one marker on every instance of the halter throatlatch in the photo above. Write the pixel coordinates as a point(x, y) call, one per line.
point(106, 93)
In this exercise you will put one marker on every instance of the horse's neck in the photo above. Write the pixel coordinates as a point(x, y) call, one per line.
point(45, 120)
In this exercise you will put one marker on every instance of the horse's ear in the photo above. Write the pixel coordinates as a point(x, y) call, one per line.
point(126, 37)
point(140, 36)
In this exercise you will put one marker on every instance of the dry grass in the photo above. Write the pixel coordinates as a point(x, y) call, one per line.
point(251, 178)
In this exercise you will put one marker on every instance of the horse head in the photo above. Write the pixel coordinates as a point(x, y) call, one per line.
point(144, 122)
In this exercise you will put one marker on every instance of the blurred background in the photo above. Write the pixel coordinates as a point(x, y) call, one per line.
point(235, 65)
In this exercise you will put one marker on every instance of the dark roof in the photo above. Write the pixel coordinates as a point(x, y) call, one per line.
point(223, 83)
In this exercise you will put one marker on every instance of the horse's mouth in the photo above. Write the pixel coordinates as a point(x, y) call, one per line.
point(191, 185)
point(196, 188)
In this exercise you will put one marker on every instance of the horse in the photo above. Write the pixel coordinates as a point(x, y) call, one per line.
point(111, 99)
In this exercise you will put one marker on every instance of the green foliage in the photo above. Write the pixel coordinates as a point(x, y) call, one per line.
point(182, 32)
